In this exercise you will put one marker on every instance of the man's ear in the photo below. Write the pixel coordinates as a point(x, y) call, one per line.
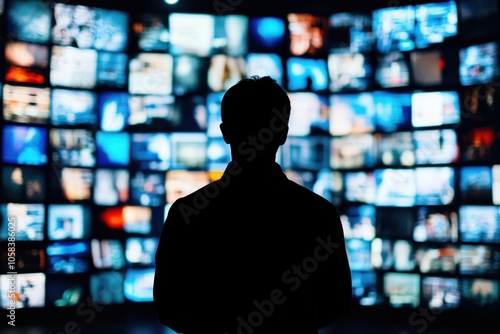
point(284, 135)
point(225, 133)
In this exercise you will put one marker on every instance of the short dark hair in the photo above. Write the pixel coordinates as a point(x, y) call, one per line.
point(252, 104)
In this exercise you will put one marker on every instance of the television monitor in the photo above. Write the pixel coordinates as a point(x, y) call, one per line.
point(434, 185)
point(359, 254)
point(394, 222)
point(150, 73)
point(435, 23)
point(29, 290)
point(107, 253)
point(218, 153)
point(224, 72)
point(479, 292)
point(352, 113)
point(392, 255)
point(213, 114)
point(395, 187)
point(68, 221)
point(189, 150)
point(73, 67)
point(308, 34)
point(231, 35)
point(73, 147)
point(180, 183)
point(479, 223)
point(23, 184)
point(113, 110)
point(353, 151)
point(392, 111)
point(112, 69)
point(478, 18)
point(111, 27)
point(152, 33)
point(192, 112)
point(191, 34)
point(483, 260)
point(150, 151)
point(141, 250)
point(71, 184)
point(358, 221)
point(266, 34)
point(68, 257)
point(364, 287)
point(73, 107)
point(111, 186)
point(435, 224)
point(138, 284)
point(121, 220)
point(479, 64)
point(74, 25)
point(147, 188)
point(30, 257)
point(394, 28)
point(29, 20)
point(434, 67)
point(24, 104)
point(26, 62)
point(351, 32)
point(349, 72)
point(311, 153)
point(24, 144)
point(480, 104)
point(476, 184)
point(360, 187)
point(329, 185)
point(495, 172)
point(441, 293)
point(395, 149)
point(190, 74)
point(106, 287)
point(479, 144)
point(113, 149)
point(310, 114)
point(152, 112)
point(435, 108)
point(307, 74)
point(263, 64)
point(66, 290)
point(402, 289)
point(437, 259)
point(392, 70)
point(436, 146)
point(28, 220)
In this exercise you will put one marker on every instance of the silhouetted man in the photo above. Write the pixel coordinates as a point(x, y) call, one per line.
point(252, 252)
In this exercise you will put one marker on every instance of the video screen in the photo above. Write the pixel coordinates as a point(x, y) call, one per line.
point(479, 260)
point(479, 64)
point(307, 74)
point(153, 111)
point(480, 103)
point(436, 146)
point(479, 292)
point(435, 224)
point(150, 73)
point(392, 111)
point(189, 150)
point(392, 255)
point(395, 149)
point(107, 253)
point(73, 107)
point(310, 114)
point(310, 153)
point(349, 72)
point(495, 171)
point(180, 183)
point(124, 219)
point(68, 221)
point(112, 69)
point(30, 257)
point(478, 18)
point(113, 149)
point(434, 67)
point(394, 223)
point(68, 257)
point(266, 34)
point(65, 290)
point(192, 112)
point(106, 287)
point(28, 219)
point(152, 33)
point(24, 145)
point(151, 151)
point(74, 25)
point(353, 151)
point(70, 184)
point(402, 289)
point(394, 28)
point(214, 114)
point(29, 290)
point(190, 74)
point(218, 154)
point(392, 70)
point(434, 185)
point(29, 20)
point(479, 223)
point(113, 108)
point(444, 259)
point(23, 184)
point(73, 147)
point(440, 293)
point(111, 28)
point(138, 284)
point(396, 187)
point(26, 62)
point(191, 34)
point(141, 250)
point(263, 64)
point(147, 188)
point(476, 184)
point(223, 72)
point(435, 108)
point(351, 32)
point(435, 22)
point(329, 185)
point(359, 222)
point(26, 104)
point(364, 287)
point(359, 254)
point(73, 67)
point(308, 34)
point(111, 186)
point(360, 187)
point(230, 35)
point(480, 144)
point(352, 113)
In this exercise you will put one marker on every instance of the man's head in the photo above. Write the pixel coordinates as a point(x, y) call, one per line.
point(255, 107)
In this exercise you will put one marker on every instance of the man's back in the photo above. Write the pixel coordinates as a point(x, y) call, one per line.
point(252, 253)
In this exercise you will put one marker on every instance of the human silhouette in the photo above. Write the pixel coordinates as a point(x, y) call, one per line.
point(252, 252)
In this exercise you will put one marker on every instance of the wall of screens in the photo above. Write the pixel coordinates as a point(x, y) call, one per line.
point(110, 116)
